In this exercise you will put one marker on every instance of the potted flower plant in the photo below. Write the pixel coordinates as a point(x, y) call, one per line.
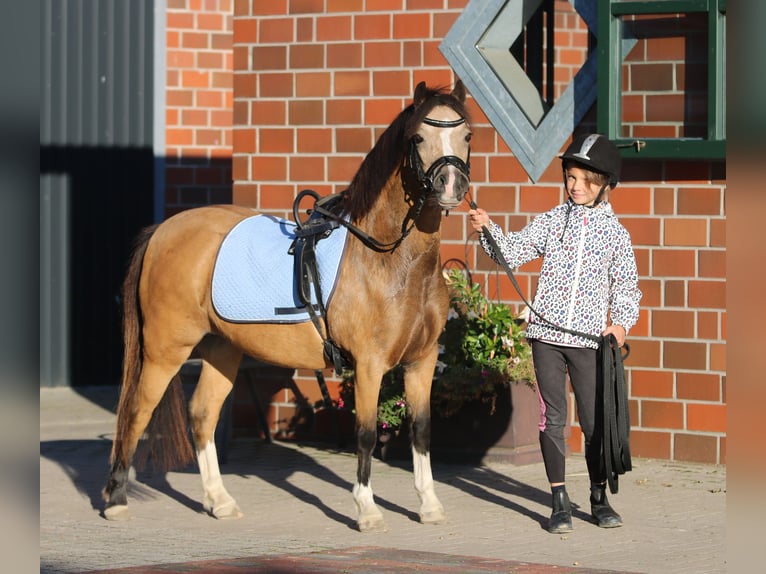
point(482, 349)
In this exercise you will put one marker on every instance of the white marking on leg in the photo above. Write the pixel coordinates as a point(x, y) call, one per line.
point(363, 496)
point(216, 500)
point(422, 468)
point(431, 509)
point(369, 517)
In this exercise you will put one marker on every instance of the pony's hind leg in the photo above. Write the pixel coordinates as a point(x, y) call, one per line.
point(138, 403)
point(418, 391)
point(220, 362)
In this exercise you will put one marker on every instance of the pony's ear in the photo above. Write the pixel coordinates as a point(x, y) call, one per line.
point(420, 94)
point(459, 91)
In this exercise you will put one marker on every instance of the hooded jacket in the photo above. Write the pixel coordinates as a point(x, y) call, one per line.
point(588, 275)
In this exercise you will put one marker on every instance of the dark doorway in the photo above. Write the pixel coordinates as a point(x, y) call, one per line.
point(96, 180)
point(110, 199)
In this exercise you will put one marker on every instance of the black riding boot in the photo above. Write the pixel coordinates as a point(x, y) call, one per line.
point(561, 518)
point(602, 512)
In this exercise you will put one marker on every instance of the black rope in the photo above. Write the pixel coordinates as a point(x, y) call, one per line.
point(616, 435)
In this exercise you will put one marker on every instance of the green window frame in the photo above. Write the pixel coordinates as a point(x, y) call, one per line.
point(611, 52)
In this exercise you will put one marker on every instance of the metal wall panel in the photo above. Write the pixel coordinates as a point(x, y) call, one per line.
point(97, 63)
point(97, 177)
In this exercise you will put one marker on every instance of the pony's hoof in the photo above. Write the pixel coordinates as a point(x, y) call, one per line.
point(117, 512)
point(372, 524)
point(226, 512)
point(433, 517)
point(232, 514)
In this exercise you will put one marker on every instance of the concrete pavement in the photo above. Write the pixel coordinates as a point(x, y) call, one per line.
point(299, 513)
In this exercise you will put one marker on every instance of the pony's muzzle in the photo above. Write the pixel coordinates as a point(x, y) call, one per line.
point(450, 185)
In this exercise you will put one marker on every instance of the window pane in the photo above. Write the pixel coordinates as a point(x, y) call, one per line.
point(665, 76)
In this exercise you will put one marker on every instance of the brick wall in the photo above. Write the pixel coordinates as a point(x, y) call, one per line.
point(199, 95)
point(315, 81)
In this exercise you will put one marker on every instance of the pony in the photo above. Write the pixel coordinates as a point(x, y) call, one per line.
point(388, 308)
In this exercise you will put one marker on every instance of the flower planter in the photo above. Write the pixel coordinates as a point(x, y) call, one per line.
point(476, 435)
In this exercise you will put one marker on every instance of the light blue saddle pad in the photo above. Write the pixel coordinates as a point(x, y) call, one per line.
point(254, 276)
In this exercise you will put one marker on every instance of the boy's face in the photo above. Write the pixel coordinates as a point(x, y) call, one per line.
point(582, 185)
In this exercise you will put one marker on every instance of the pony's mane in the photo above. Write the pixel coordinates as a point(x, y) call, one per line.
point(390, 151)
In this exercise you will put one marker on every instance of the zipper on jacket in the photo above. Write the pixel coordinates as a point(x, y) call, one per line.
point(576, 282)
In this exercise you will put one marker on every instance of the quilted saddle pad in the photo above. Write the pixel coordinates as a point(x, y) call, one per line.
point(254, 278)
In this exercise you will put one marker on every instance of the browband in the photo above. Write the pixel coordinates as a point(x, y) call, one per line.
point(443, 123)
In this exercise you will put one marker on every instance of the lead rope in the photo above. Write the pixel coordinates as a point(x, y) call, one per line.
point(615, 448)
point(616, 439)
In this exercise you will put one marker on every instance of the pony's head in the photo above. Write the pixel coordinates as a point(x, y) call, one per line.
point(439, 138)
point(429, 142)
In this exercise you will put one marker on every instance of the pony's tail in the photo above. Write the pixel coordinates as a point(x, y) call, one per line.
point(167, 441)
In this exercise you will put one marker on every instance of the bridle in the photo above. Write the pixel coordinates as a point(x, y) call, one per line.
point(424, 178)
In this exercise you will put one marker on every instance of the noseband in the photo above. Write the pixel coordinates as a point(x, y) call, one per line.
point(426, 178)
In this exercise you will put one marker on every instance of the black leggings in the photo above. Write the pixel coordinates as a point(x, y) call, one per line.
point(552, 362)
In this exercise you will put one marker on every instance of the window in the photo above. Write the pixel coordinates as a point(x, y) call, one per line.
point(661, 75)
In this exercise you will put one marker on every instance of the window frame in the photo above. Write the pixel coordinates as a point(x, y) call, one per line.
point(610, 57)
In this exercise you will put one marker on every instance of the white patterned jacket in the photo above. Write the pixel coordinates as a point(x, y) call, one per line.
point(588, 275)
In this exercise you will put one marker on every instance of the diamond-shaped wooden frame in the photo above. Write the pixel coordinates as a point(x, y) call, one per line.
point(476, 32)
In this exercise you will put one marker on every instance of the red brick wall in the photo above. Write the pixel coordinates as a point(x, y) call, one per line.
point(199, 95)
point(314, 83)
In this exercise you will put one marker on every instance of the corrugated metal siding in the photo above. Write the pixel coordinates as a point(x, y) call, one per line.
point(96, 159)
point(97, 63)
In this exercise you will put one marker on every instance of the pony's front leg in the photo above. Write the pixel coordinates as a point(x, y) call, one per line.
point(215, 383)
point(418, 392)
point(369, 517)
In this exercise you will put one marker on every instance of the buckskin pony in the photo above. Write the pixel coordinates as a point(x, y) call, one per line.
point(388, 308)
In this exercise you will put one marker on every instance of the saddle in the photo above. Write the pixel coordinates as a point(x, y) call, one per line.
point(303, 249)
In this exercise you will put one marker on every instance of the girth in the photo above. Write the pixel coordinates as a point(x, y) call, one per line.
point(303, 249)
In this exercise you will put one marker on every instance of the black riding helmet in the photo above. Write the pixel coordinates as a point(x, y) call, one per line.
point(595, 152)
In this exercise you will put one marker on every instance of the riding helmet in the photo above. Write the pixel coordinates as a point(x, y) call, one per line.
point(595, 152)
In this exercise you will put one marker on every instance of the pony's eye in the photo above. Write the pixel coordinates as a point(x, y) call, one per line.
point(468, 138)
point(417, 138)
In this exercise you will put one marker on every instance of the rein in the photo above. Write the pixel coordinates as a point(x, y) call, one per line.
point(616, 436)
point(615, 449)
point(366, 238)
